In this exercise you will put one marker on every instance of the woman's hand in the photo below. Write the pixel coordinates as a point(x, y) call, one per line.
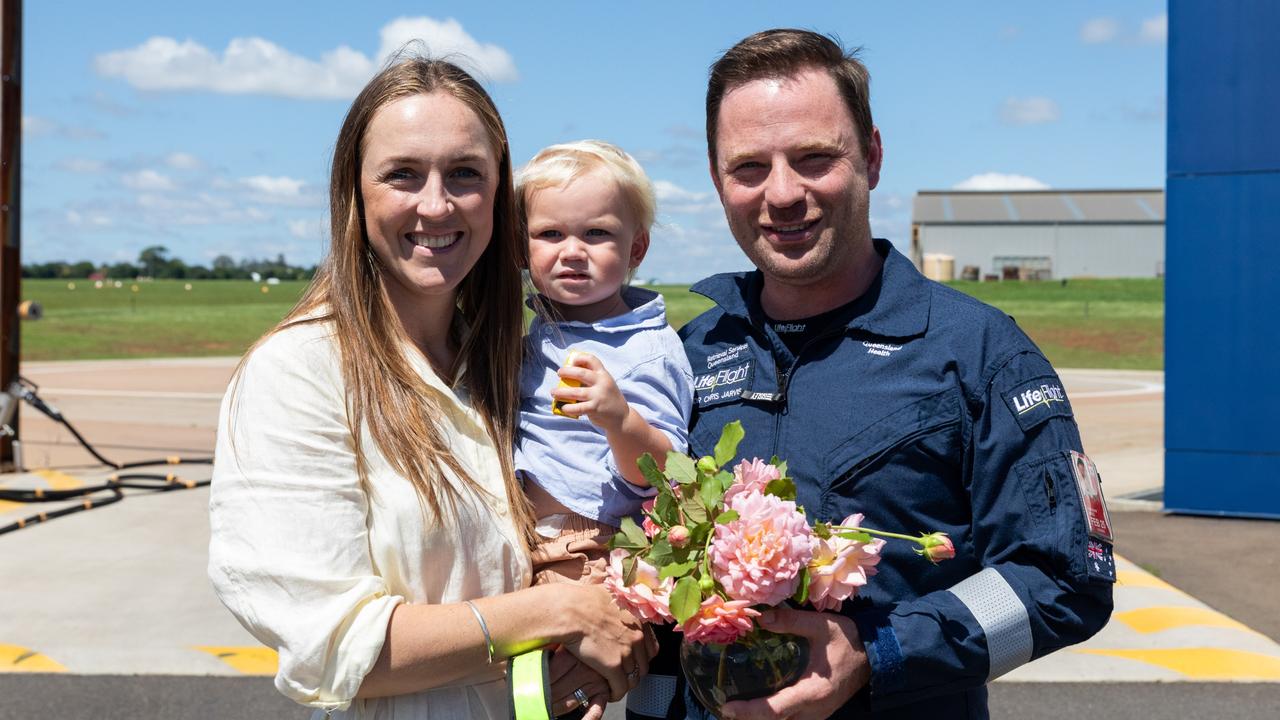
point(568, 675)
point(612, 641)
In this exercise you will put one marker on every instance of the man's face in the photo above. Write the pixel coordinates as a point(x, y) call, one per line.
point(794, 179)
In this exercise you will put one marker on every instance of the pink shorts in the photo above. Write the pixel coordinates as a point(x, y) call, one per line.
point(579, 554)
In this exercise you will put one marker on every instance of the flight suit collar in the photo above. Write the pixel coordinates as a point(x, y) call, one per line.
point(896, 305)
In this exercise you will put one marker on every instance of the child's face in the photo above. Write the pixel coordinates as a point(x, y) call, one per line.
point(582, 242)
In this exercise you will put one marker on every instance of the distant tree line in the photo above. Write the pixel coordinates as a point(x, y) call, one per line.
point(154, 262)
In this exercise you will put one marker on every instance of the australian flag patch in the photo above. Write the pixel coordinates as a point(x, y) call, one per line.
point(1101, 563)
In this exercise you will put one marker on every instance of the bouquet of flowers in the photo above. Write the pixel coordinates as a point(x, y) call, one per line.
point(715, 545)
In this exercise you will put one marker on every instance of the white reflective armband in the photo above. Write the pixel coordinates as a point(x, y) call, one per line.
point(1002, 616)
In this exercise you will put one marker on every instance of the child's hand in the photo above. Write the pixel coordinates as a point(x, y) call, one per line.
point(597, 395)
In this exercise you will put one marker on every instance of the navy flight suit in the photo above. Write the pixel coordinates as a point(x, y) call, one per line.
point(928, 411)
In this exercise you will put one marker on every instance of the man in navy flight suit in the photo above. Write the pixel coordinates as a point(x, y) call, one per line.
point(890, 395)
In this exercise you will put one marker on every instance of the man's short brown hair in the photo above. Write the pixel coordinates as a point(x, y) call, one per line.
point(783, 52)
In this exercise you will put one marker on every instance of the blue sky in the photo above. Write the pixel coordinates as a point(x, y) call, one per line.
point(208, 128)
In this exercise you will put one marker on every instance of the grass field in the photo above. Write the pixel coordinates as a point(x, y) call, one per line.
point(1085, 323)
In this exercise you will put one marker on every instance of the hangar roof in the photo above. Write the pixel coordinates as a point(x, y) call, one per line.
point(964, 207)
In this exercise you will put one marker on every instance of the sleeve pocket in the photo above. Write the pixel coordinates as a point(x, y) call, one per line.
point(1059, 533)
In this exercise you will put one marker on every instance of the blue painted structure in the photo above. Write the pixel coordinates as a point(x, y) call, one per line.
point(1222, 288)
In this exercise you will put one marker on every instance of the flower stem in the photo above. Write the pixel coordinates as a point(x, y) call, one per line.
point(878, 533)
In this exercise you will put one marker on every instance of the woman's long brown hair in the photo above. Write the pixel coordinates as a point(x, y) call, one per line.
point(383, 391)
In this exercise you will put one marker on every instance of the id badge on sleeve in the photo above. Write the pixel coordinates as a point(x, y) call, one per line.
point(1096, 517)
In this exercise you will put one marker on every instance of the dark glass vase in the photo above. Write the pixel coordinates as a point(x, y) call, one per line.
point(757, 665)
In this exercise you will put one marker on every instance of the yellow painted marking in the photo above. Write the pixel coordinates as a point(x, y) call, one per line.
point(19, 659)
point(1157, 619)
point(1203, 663)
point(247, 660)
point(1139, 578)
point(59, 480)
point(7, 505)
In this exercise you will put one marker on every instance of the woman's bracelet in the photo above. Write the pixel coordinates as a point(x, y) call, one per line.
point(488, 640)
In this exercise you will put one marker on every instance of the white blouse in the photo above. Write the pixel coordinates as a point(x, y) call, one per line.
point(312, 562)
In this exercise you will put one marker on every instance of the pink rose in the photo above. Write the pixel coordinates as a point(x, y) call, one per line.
point(719, 621)
point(678, 536)
point(759, 556)
point(937, 547)
point(647, 524)
point(751, 475)
point(648, 598)
point(840, 566)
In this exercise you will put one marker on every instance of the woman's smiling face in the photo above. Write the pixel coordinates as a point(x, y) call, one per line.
point(428, 177)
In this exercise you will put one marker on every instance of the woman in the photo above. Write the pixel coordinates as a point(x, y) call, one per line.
point(365, 518)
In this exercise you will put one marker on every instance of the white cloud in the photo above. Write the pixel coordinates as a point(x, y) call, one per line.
point(148, 180)
point(307, 229)
point(76, 219)
point(1155, 30)
point(447, 39)
point(1099, 30)
point(283, 187)
point(36, 126)
point(81, 166)
point(183, 161)
point(1029, 111)
point(1000, 181)
point(665, 191)
point(253, 65)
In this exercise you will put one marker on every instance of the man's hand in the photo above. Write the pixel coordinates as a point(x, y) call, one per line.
point(597, 395)
point(837, 668)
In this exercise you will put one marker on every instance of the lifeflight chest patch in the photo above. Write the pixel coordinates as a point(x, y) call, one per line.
point(1035, 401)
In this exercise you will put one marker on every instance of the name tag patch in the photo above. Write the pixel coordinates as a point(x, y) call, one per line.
point(725, 383)
point(1035, 401)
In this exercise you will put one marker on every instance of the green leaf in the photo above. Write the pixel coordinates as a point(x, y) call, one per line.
point(783, 487)
point(694, 512)
point(629, 569)
point(855, 536)
point(726, 480)
point(680, 468)
point(661, 552)
point(801, 595)
point(685, 599)
point(711, 493)
point(781, 465)
point(727, 516)
point(649, 468)
point(621, 541)
point(822, 530)
point(634, 535)
point(667, 510)
point(676, 569)
point(727, 446)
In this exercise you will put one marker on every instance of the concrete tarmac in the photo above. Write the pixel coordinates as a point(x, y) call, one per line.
point(112, 606)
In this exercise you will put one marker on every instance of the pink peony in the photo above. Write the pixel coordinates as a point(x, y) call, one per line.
point(759, 556)
point(647, 598)
point(937, 547)
point(840, 566)
point(647, 524)
point(752, 475)
point(719, 621)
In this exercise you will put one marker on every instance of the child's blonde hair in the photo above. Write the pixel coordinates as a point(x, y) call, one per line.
point(559, 165)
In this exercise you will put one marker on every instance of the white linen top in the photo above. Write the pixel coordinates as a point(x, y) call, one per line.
point(312, 562)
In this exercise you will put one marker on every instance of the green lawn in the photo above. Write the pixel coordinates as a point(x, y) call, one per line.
point(1085, 323)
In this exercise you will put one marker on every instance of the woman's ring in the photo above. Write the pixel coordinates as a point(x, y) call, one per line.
point(581, 696)
point(634, 675)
